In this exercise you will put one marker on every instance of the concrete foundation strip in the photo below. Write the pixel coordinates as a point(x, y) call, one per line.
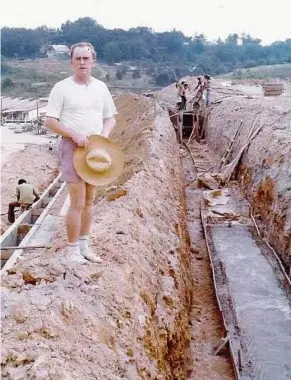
point(13, 229)
point(273, 251)
point(227, 339)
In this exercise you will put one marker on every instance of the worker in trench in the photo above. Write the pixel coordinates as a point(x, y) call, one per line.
point(26, 196)
point(79, 107)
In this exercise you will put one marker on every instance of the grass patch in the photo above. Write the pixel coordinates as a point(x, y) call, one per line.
point(282, 71)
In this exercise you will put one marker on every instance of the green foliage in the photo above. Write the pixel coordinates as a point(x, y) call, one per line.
point(261, 72)
point(136, 74)
point(7, 83)
point(119, 74)
point(164, 78)
point(160, 53)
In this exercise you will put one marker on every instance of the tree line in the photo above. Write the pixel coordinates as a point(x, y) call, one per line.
point(161, 52)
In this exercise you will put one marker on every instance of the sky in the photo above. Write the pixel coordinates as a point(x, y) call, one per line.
point(215, 18)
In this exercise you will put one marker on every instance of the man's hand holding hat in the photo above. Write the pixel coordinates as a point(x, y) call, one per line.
point(101, 163)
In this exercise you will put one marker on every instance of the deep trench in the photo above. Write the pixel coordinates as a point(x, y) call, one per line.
point(205, 323)
point(268, 271)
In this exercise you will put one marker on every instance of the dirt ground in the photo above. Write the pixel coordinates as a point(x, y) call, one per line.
point(35, 163)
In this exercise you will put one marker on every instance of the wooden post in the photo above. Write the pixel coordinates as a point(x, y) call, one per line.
point(37, 117)
point(1, 106)
point(181, 128)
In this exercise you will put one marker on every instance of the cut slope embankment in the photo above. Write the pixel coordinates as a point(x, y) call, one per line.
point(128, 317)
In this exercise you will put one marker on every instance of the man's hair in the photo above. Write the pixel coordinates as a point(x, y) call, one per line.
point(21, 181)
point(83, 44)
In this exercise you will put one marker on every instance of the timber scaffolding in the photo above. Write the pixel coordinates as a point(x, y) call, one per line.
point(22, 234)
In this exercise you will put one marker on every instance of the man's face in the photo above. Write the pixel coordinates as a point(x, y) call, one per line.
point(82, 61)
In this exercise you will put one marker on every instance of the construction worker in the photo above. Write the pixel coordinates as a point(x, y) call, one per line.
point(206, 88)
point(26, 196)
point(183, 88)
point(78, 107)
point(179, 99)
point(197, 97)
point(199, 84)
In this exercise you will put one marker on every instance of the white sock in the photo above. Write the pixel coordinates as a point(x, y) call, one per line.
point(73, 248)
point(83, 242)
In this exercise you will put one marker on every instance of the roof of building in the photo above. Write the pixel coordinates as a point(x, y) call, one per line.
point(19, 104)
point(60, 48)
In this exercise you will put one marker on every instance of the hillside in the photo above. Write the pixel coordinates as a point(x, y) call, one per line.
point(261, 72)
point(35, 77)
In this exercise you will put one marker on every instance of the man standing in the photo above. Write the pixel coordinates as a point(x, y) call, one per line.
point(207, 89)
point(78, 107)
point(26, 196)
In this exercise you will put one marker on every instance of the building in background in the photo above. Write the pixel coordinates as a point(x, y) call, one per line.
point(58, 51)
point(22, 110)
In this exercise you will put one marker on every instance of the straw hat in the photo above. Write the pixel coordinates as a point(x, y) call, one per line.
point(101, 163)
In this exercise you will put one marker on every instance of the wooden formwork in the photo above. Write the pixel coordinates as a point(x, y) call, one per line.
point(272, 89)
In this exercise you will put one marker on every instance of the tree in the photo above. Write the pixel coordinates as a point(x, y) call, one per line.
point(164, 78)
point(160, 51)
point(119, 74)
point(7, 83)
point(112, 52)
point(136, 74)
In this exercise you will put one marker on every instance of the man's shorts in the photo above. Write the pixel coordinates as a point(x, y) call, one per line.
point(66, 153)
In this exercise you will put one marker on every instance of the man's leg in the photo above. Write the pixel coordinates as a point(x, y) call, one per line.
point(87, 214)
point(77, 192)
point(87, 217)
point(11, 207)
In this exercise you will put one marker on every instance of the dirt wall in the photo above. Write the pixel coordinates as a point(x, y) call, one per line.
point(265, 171)
point(128, 317)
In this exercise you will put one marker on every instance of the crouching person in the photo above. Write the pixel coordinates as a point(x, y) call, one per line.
point(26, 196)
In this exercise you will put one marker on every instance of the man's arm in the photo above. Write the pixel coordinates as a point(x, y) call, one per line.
point(108, 126)
point(37, 197)
point(55, 126)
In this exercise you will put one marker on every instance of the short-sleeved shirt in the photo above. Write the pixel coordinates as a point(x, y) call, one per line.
point(79, 107)
point(25, 192)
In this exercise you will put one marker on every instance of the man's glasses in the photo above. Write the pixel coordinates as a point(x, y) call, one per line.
point(78, 59)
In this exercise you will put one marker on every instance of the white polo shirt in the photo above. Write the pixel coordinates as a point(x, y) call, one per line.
point(81, 107)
